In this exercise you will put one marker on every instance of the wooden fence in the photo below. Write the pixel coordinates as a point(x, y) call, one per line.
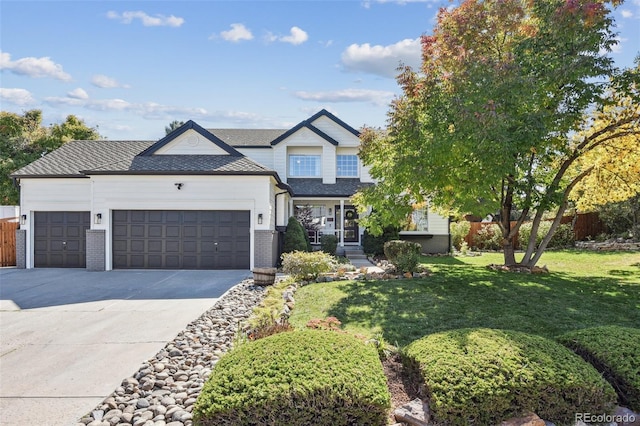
point(8, 241)
point(586, 225)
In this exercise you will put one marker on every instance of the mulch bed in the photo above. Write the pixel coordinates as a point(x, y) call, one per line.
point(403, 386)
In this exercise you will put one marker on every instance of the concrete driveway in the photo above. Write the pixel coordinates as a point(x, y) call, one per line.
point(68, 337)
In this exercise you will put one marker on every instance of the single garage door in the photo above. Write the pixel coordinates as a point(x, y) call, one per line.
point(171, 239)
point(60, 239)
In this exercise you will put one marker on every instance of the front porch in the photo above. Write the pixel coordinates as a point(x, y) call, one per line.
point(337, 217)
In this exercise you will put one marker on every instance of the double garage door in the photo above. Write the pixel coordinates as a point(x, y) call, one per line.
point(171, 239)
point(148, 239)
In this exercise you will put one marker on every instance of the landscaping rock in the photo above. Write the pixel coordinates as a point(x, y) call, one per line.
point(165, 387)
point(415, 413)
point(529, 420)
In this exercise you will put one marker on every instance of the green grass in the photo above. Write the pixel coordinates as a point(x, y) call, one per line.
point(584, 289)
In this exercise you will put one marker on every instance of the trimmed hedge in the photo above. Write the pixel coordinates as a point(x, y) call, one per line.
point(296, 378)
point(302, 265)
point(483, 376)
point(404, 255)
point(294, 237)
point(615, 352)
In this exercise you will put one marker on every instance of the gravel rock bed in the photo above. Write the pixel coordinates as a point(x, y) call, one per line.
point(162, 392)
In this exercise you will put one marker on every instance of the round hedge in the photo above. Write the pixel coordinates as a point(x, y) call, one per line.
point(614, 351)
point(296, 378)
point(483, 376)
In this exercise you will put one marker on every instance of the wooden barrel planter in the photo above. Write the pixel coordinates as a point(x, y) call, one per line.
point(264, 276)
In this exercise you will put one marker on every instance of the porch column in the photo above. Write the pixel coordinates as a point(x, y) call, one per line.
point(341, 223)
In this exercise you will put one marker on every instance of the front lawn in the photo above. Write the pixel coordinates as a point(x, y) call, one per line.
point(584, 289)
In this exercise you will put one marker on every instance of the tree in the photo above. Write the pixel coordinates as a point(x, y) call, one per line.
point(294, 237)
point(173, 126)
point(23, 140)
point(304, 214)
point(485, 126)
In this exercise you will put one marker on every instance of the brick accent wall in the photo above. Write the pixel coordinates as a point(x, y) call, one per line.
point(266, 248)
point(21, 248)
point(96, 250)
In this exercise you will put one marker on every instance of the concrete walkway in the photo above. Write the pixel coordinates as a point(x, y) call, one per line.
point(69, 336)
point(365, 263)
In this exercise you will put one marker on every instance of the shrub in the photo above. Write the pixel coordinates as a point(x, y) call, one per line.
point(488, 237)
point(403, 254)
point(297, 378)
point(459, 230)
point(374, 245)
point(563, 237)
point(614, 352)
point(294, 237)
point(329, 244)
point(307, 265)
point(483, 376)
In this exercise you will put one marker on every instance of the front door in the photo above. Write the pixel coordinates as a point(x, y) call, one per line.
point(350, 217)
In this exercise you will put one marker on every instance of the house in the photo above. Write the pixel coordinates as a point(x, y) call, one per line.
point(195, 199)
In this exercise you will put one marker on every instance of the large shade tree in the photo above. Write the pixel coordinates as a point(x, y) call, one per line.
point(490, 122)
point(23, 139)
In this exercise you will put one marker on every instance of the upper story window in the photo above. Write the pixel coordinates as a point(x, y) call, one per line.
point(347, 166)
point(305, 166)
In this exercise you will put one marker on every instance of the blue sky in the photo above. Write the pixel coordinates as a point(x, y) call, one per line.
point(130, 68)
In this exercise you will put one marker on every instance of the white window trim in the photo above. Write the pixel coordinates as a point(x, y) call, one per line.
point(357, 175)
point(319, 158)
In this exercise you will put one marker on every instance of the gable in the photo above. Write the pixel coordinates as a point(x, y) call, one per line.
point(190, 143)
point(305, 136)
point(336, 131)
point(191, 139)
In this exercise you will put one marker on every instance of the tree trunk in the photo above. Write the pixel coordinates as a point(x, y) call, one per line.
point(505, 222)
point(509, 253)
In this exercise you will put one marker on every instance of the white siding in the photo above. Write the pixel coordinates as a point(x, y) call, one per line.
point(329, 164)
point(438, 225)
point(191, 142)
point(343, 136)
point(280, 160)
point(262, 156)
point(61, 194)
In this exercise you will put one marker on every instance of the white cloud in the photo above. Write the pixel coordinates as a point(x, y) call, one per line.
point(238, 32)
point(105, 82)
point(33, 67)
point(147, 20)
point(78, 93)
point(376, 97)
point(382, 60)
point(296, 36)
point(627, 13)
point(367, 3)
point(20, 97)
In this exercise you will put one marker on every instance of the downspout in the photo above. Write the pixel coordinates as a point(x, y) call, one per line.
point(280, 240)
point(450, 250)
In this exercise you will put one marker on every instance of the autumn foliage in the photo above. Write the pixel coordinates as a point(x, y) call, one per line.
point(517, 109)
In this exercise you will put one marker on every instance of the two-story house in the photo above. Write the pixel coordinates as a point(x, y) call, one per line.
point(196, 199)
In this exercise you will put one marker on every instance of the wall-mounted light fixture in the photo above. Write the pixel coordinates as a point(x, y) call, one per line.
point(97, 219)
point(260, 219)
point(330, 210)
point(179, 185)
point(23, 219)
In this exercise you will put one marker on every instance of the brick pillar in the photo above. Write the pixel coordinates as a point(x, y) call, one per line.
point(96, 250)
point(264, 251)
point(21, 248)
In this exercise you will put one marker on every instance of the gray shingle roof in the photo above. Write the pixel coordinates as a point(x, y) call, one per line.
point(344, 187)
point(81, 158)
point(73, 157)
point(248, 137)
point(170, 164)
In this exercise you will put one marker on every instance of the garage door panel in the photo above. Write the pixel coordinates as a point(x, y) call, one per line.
point(60, 239)
point(183, 239)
